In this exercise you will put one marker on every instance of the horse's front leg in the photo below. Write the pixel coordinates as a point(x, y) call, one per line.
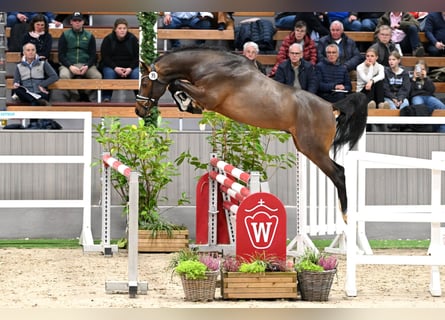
point(203, 99)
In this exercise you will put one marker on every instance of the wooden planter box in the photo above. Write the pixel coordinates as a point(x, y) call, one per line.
point(162, 242)
point(269, 285)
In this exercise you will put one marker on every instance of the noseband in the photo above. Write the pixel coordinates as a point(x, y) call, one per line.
point(153, 76)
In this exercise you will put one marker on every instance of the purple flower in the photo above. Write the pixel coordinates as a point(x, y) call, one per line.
point(328, 262)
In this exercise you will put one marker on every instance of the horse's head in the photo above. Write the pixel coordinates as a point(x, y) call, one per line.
point(150, 90)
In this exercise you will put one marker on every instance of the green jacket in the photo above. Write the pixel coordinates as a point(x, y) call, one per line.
point(77, 47)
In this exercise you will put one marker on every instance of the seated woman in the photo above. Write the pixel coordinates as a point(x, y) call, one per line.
point(119, 55)
point(38, 35)
point(422, 90)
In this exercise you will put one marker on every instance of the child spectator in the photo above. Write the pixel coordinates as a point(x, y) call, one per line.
point(422, 90)
point(369, 80)
point(396, 85)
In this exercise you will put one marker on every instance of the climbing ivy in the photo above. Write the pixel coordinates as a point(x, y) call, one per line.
point(148, 51)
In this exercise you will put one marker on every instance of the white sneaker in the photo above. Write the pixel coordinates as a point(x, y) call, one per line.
point(384, 105)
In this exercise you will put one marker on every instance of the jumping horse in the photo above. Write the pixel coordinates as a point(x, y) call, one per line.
point(228, 83)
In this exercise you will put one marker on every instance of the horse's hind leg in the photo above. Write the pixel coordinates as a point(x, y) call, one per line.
point(335, 172)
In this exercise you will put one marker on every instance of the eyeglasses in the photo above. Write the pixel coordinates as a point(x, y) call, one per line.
point(331, 52)
point(295, 53)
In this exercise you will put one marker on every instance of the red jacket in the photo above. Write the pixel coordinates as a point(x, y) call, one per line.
point(309, 51)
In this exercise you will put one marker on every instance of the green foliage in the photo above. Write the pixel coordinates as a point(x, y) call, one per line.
point(192, 269)
point(183, 255)
point(147, 21)
point(312, 260)
point(256, 266)
point(143, 149)
point(244, 146)
point(149, 52)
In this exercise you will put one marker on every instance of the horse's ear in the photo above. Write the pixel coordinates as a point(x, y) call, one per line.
point(143, 65)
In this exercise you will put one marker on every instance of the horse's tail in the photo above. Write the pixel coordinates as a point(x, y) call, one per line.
point(351, 122)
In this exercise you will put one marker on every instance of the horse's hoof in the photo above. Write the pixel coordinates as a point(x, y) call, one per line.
point(345, 218)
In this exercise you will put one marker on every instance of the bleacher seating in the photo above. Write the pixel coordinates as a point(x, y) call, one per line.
point(127, 109)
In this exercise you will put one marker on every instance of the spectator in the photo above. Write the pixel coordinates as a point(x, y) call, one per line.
point(317, 22)
point(349, 55)
point(369, 80)
point(332, 76)
point(193, 20)
point(383, 44)
point(77, 56)
point(369, 20)
point(120, 55)
point(299, 35)
point(349, 19)
point(250, 51)
point(38, 35)
point(396, 85)
point(18, 17)
point(405, 31)
point(63, 17)
point(221, 19)
point(420, 17)
point(422, 90)
point(32, 77)
point(297, 72)
point(435, 32)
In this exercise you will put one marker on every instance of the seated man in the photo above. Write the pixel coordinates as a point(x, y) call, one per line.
point(77, 56)
point(348, 54)
point(296, 71)
point(332, 76)
point(435, 32)
point(193, 20)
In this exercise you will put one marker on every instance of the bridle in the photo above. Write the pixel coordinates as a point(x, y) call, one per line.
point(153, 76)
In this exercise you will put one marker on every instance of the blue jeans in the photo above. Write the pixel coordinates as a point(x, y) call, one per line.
point(411, 40)
point(193, 23)
point(355, 25)
point(369, 24)
point(109, 73)
point(287, 22)
point(404, 104)
point(432, 103)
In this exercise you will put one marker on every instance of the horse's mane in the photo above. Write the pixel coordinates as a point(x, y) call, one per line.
point(232, 61)
point(199, 48)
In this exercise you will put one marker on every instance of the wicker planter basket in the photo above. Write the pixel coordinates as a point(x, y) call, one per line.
point(202, 289)
point(315, 286)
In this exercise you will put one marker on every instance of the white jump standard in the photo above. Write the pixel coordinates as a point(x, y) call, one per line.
point(132, 286)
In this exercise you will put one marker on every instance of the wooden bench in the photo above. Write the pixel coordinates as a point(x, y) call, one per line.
point(121, 110)
point(87, 84)
point(127, 110)
point(98, 32)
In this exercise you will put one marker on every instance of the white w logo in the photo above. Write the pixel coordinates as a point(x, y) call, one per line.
point(261, 228)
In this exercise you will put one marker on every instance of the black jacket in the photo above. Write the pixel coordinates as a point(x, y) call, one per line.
point(306, 75)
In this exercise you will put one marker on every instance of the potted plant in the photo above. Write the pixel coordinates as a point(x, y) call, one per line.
point(198, 272)
point(145, 148)
point(315, 273)
point(259, 277)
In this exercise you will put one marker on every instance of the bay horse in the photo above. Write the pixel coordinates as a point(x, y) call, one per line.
point(228, 83)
